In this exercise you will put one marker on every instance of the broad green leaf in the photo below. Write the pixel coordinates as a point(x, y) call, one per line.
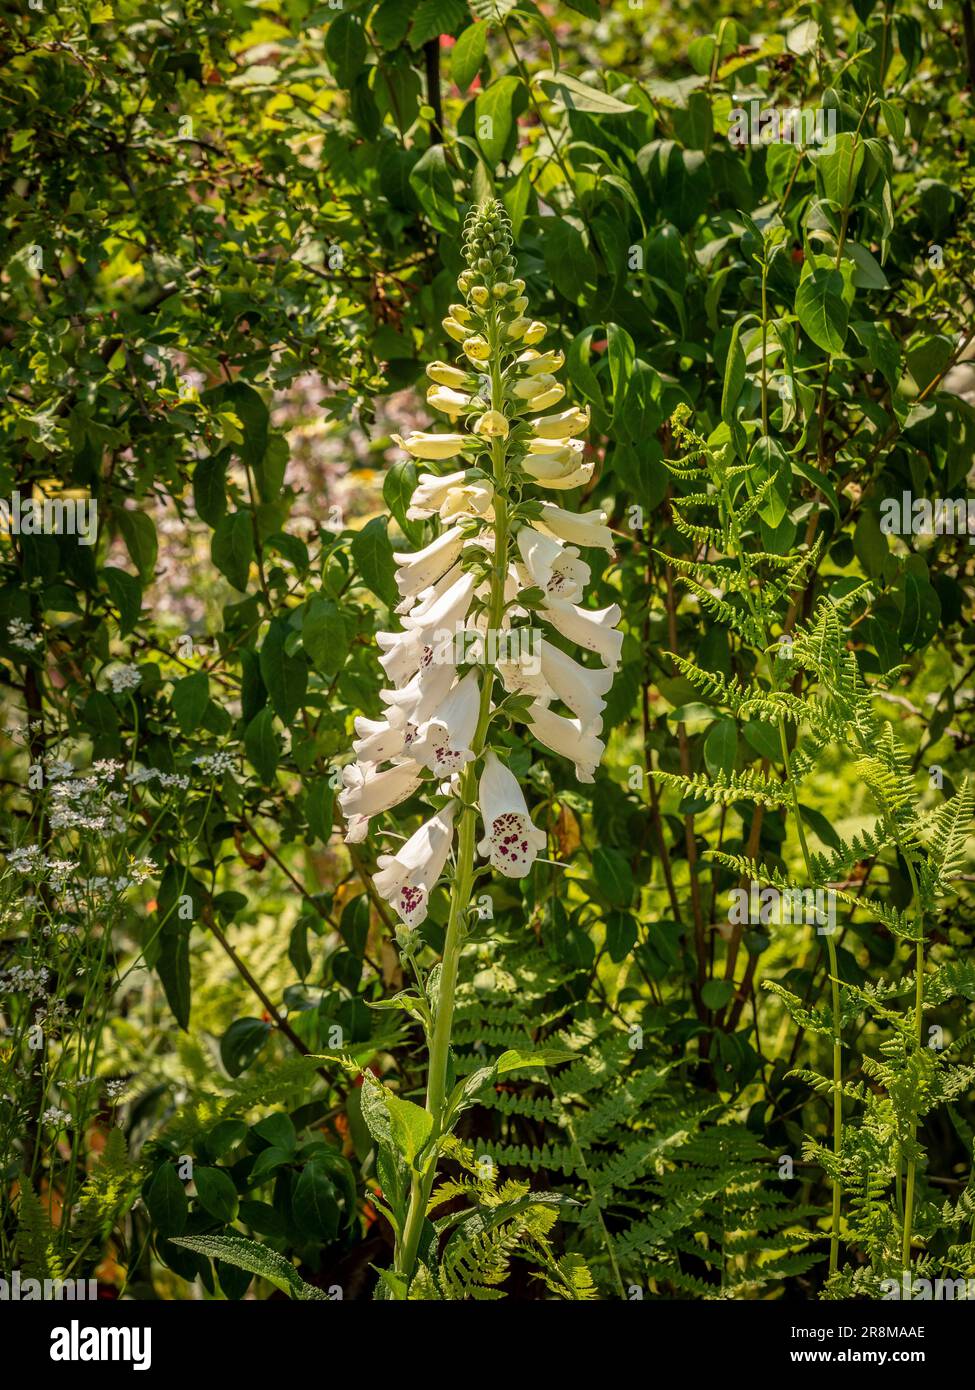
point(232, 547)
point(822, 310)
point(881, 347)
point(734, 374)
point(527, 1059)
point(285, 676)
point(613, 875)
point(433, 184)
point(373, 556)
point(139, 534)
point(410, 1126)
point(467, 55)
point(345, 48)
point(314, 1204)
point(126, 593)
point(721, 746)
point(216, 1191)
point(319, 800)
point(921, 613)
point(263, 746)
point(210, 488)
point(242, 1042)
point(495, 111)
point(166, 1201)
point(190, 697)
point(580, 96)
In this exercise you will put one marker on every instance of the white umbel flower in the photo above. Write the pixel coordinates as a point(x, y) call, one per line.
point(406, 878)
point(511, 842)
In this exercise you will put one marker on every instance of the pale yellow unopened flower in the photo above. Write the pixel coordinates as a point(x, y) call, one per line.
point(451, 403)
point(539, 392)
point(461, 314)
point(446, 375)
point(455, 330)
point(476, 348)
point(431, 446)
point(535, 363)
point(535, 333)
point(531, 386)
point(492, 425)
point(517, 328)
point(562, 425)
point(565, 450)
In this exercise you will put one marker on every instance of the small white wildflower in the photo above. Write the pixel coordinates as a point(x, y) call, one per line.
point(28, 859)
point(20, 634)
point(125, 678)
point(215, 764)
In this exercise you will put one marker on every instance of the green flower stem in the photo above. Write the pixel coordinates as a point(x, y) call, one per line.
point(422, 1182)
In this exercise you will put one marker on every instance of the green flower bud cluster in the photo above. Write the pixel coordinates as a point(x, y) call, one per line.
point(489, 284)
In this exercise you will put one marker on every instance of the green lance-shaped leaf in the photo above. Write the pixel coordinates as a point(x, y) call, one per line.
point(256, 1259)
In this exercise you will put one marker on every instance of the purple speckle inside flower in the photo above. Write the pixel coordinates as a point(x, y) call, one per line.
point(509, 843)
point(411, 904)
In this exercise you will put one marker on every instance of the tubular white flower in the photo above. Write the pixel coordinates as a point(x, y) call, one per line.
point(450, 496)
point(407, 878)
point(578, 528)
point(591, 628)
point(418, 700)
point(378, 740)
point(580, 687)
point(552, 566)
point(537, 392)
point(511, 842)
point(492, 425)
point(402, 654)
point(368, 792)
point(419, 569)
point(568, 737)
point(431, 446)
point(449, 608)
point(443, 743)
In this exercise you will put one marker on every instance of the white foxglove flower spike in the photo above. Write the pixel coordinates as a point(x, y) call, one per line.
point(466, 584)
